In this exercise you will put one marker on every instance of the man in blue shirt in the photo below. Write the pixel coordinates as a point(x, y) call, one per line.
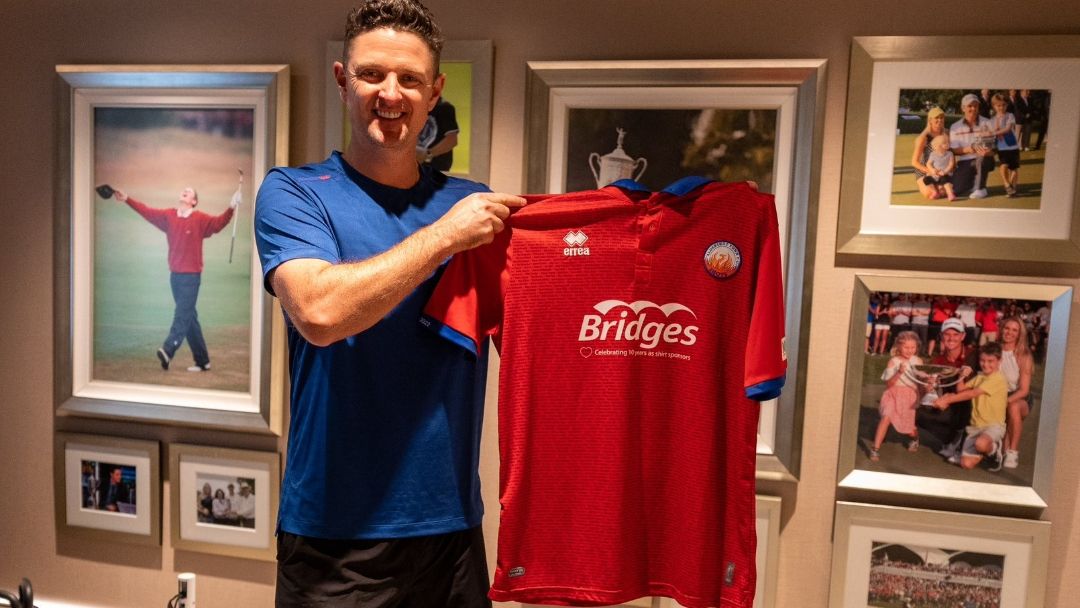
point(380, 505)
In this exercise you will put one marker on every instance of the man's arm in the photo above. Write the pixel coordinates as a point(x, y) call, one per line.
point(329, 302)
point(157, 217)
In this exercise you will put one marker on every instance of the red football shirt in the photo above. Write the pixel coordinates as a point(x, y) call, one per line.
point(635, 331)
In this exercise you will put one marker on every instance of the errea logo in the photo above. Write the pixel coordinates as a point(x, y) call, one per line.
point(575, 239)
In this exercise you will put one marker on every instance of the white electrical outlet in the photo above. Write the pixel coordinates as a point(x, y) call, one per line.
point(186, 581)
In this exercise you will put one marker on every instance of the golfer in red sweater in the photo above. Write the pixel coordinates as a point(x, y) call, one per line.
point(184, 228)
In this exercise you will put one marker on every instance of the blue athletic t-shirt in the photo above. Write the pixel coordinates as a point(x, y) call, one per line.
point(384, 437)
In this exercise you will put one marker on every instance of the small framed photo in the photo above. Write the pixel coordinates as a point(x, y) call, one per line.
point(108, 488)
point(464, 112)
point(957, 148)
point(160, 314)
point(953, 388)
point(886, 557)
point(224, 501)
point(590, 123)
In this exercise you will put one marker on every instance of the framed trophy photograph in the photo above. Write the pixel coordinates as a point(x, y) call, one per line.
point(957, 148)
point(160, 311)
point(224, 501)
point(890, 557)
point(953, 388)
point(590, 123)
point(108, 488)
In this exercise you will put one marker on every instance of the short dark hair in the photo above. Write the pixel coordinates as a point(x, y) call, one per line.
point(992, 349)
point(400, 15)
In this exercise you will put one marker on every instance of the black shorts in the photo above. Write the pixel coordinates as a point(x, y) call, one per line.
point(1009, 158)
point(443, 571)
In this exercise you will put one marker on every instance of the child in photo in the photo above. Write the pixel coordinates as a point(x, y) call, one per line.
point(989, 393)
point(1008, 148)
point(901, 394)
point(941, 164)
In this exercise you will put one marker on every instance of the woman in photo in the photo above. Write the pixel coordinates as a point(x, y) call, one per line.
point(1017, 363)
point(935, 127)
point(206, 504)
point(221, 507)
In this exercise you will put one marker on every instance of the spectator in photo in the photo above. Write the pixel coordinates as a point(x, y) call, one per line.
point(920, 318)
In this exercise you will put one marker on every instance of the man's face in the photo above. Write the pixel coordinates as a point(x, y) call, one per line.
point(989, 363)
point(388, 88)
point(951, 339)
point(971, 111)
point(187, 197)
point(117, 475)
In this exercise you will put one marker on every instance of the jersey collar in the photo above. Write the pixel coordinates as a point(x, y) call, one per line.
point(681, 187)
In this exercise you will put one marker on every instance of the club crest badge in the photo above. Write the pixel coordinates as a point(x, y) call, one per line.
point(722, 259)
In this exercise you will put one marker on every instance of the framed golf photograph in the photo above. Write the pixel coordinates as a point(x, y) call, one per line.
point(893, 557)
point(224, 501)
point(457, 137)
point(108, 488)
point(953, 388)
point(590, 123)
point(160, 311)
point(959, 148)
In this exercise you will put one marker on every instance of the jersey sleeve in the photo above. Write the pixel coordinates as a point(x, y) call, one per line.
point(467, 304)
point(290, 224)
point(766, 359)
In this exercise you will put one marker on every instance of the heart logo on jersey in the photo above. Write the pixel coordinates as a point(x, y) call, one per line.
point(586, 351)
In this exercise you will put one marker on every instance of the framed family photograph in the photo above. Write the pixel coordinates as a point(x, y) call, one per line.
point(590, 123)
point(457, 137)
point(108, 488)
point(953, 388)
point(160, 311)
point(958, 148)
point(892, 557)
point(224, 501)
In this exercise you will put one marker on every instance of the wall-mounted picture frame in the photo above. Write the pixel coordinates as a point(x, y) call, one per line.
point(107, 488)
point(468, 65)
point(160, 315)
point(910, 340)
point(907, 91)
point(893, 556)
point(589, 122)
point(224, 501)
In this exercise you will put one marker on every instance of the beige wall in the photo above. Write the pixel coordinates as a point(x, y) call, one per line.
point(36, 35)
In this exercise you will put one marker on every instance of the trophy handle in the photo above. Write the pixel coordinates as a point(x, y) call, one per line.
point(595, 170)
point(644, 163)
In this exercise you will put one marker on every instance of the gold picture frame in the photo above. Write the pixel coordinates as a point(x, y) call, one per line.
point(998, 556)
point(871, 231)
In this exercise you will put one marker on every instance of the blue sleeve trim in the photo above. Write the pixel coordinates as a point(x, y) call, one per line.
point(448, 333)
point(763, 391)
point(687, 185)
point(629, 184)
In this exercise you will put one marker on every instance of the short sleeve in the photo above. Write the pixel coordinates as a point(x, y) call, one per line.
point(766, 359)
point(290, 223)
point(467, 304)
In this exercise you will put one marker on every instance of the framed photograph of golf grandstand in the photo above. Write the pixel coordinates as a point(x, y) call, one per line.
point(589, 123)
point(224, 501)
point(160, 311)
point(459, 129)
point(962, 150)
point(885, 557)
point(953, 390)
point(108, 488)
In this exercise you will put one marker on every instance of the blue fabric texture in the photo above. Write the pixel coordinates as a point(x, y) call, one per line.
point(384, 437)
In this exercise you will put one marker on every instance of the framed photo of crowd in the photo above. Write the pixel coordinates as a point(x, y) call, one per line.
point(160, 311)
point(961, 153)
point(953, 389)
point(590, 123)
point(890, 556)
point(224, 501)
point(108, 488)
point(463, 114)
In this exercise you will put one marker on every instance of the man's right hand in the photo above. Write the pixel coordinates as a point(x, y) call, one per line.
point(476, 219)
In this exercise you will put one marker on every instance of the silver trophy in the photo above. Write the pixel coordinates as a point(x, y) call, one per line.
point(933, 377)
point(615, 165)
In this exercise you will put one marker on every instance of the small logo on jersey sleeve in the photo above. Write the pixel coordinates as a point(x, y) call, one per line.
point(575, 241)
point(722, 259)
